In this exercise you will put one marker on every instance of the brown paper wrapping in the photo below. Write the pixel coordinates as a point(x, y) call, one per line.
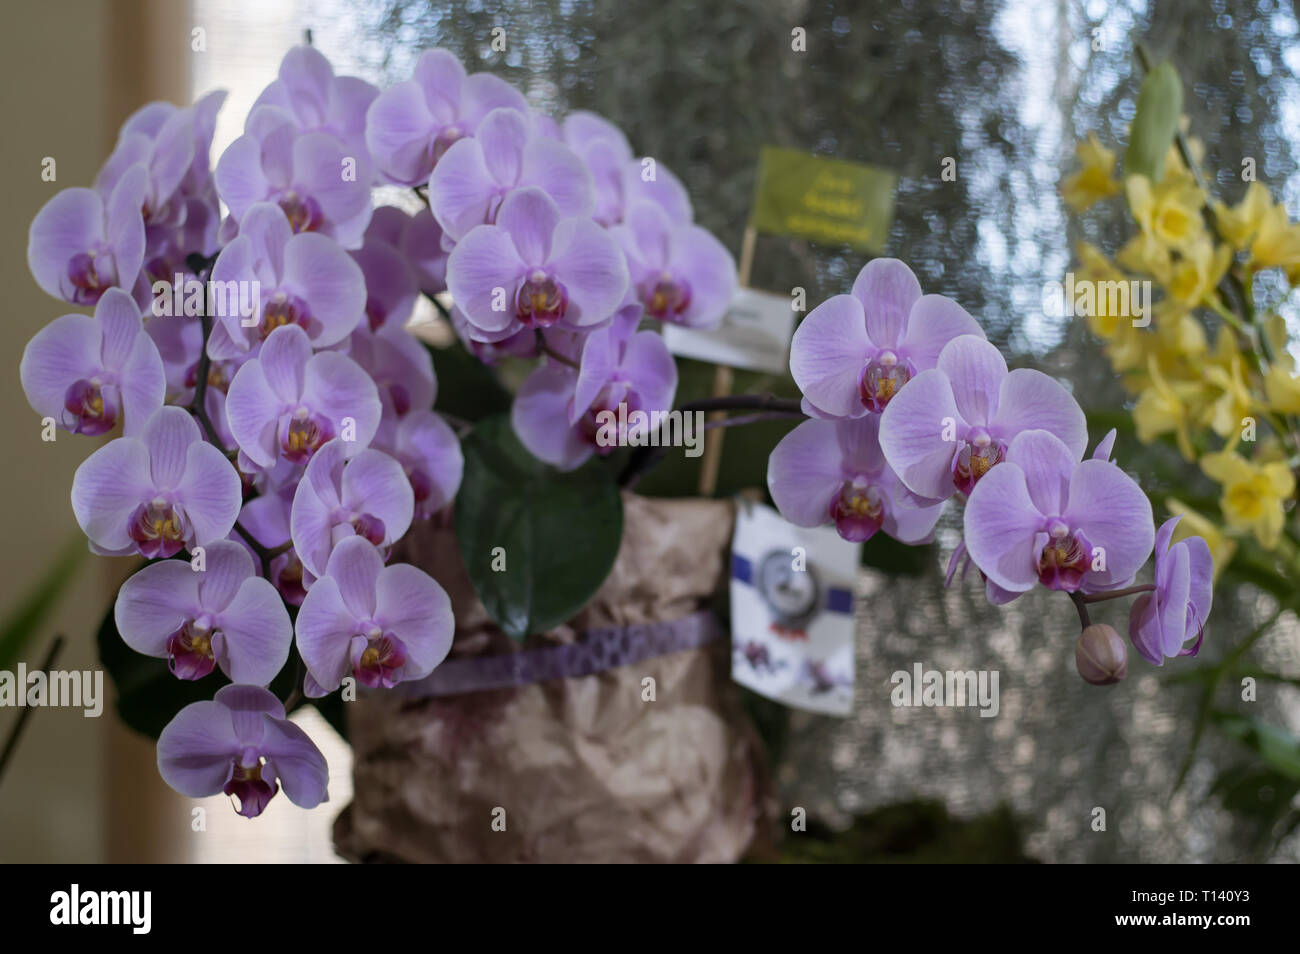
point(584, 769)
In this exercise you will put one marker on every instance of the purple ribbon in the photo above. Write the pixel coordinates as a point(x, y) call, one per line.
point(596, 650)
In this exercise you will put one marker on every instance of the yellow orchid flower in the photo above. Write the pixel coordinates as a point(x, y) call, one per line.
point(1163, 409)
point(1277, 242)
point(1282, 387)
point(1222, 547)
point(1226, 373)
point(1192, 278)
point(1094, 181)
point(1254, 495)
point(1169, 211)
point(1240, 223)
point(1113, 325)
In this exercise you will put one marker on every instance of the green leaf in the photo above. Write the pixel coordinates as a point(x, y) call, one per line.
point(1159, 107)
point(1274, 744)
point(886, 554)
point(21, 625)
point(558, 532)
point(467, 388)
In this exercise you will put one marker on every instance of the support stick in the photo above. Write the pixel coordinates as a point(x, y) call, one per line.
point(723, 378)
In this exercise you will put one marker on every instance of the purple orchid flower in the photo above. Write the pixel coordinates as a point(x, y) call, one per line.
point(80, 244)
point(430, 455)
point(307, 89)
point(399, 365)
point(411, 125)
point(419, 239)
point(422, 244)
point(605, 150)
point(1042, 516)
point(287, 402)
point(391, 288)
point(621, 180)
point(680, 272)
point(520, 344)
point(954, 422)
point(960, 559)
point(1163, 621)
point(558, 412)
point(306, 174)
point(266, 518)
point(241, 743)
point(225, 615)
point(367, 496)
point(471, 180)
point(158, 492)
point(853, 353)
point(303, 280)
point(86, 372)
point(535, 269)
point(833, 472)
point(382, 625)
point(162, 139)
point(155, 136)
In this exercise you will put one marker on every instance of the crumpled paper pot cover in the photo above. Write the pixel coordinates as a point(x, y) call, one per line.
point(576, 769)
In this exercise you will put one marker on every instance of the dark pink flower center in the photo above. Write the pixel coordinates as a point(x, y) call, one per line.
point(400, 397)
point(421, 483)
point(219, 375)
point(540, 301)
point(253, 791)
point(858, 510)
point(283, 310)
point(90, 407)
point(302, 211)
point(158, 529)
point(368, 527)
point(302, 434)
point(189, 650)
point(978, 453)
point(376, 313)
point(289, 581)
point(665, 297)
point(376, 663)
point(1065, 558)
point(881, 379)
point(610, 397)
point(87, 282)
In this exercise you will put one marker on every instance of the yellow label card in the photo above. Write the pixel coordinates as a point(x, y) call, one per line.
point(832, 201)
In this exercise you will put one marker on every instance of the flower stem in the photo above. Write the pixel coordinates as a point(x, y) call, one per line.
point(11, 743)
point(544, 349)
point(1116, 594)
point(1079, 604)
point(765, 406)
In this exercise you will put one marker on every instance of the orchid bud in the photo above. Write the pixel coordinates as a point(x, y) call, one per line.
point(1100, 655)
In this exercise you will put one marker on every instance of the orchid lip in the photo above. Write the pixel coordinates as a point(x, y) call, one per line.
point(883, 375)
point(858, 510)
point(666, 296)
point(541, 300)
point(975, 457)
point(90, 406)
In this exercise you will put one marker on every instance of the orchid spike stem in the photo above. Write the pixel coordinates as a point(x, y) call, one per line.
point(1116, 594)
point(544, 349)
